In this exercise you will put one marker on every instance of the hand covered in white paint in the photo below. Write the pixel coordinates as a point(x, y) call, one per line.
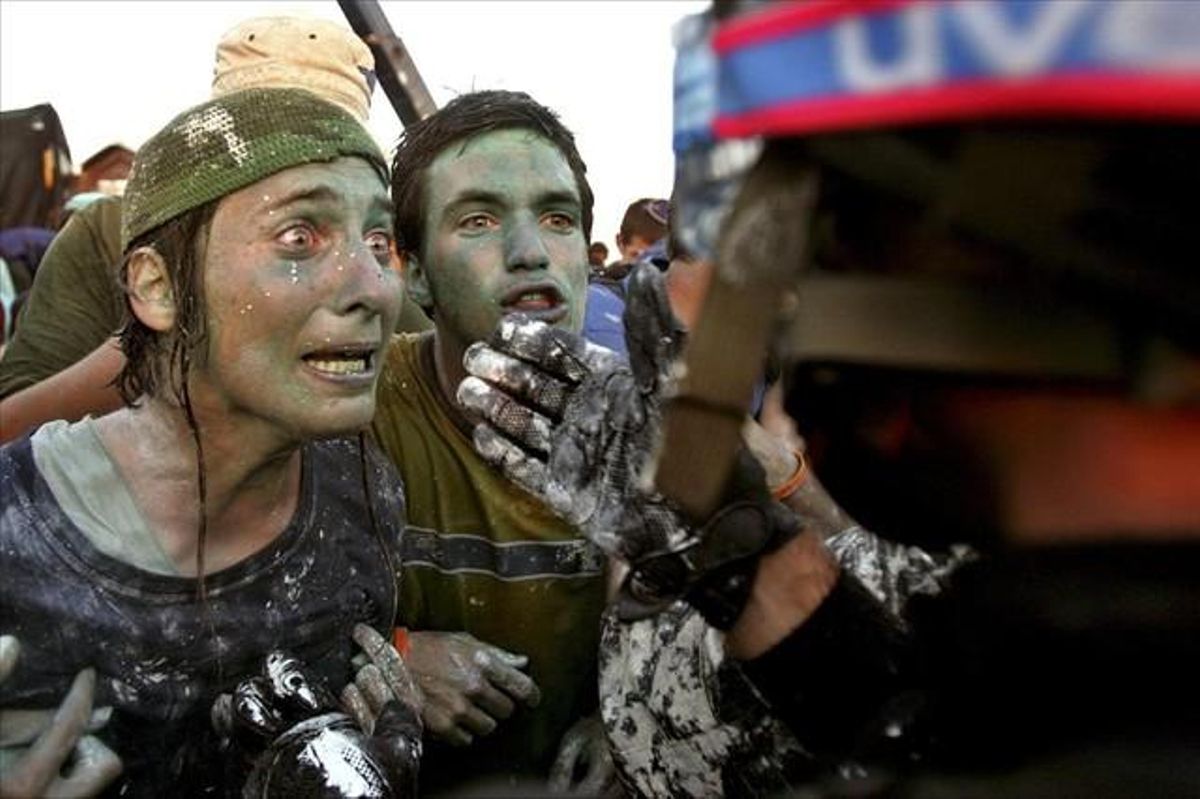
point(469, 686)
point(310, 748)
point(584, 763)
point(573, 424)
point(267, 704)
point(35, 744)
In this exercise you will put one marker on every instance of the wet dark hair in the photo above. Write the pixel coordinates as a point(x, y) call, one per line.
point(157, 362)
point(462, 118)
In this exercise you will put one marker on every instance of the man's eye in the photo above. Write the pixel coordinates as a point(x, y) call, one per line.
point(477, 222)
point(298, 237)
point(560, 221)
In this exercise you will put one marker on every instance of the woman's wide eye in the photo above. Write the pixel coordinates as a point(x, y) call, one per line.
point(298, 237)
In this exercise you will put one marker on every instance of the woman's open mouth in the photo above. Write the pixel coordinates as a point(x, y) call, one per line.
point(350, 363)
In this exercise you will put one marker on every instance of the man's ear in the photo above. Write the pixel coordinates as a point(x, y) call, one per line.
point(150, 292)
point(416, 282)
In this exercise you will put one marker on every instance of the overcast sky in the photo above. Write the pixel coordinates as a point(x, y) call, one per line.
point(118, 71)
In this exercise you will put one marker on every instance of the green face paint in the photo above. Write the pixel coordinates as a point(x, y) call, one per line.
point(503, 233)
point(301, 299)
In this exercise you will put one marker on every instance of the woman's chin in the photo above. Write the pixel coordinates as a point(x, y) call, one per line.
point(344, 419)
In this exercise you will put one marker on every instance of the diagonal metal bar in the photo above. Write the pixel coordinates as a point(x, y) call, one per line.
point(394, 65)
point(759, 258)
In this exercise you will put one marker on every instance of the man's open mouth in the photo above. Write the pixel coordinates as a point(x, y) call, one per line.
point(343, 361)
point(541, 300)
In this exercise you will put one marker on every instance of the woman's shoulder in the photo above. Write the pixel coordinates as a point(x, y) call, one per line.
point(350, 469)
point(17, 467)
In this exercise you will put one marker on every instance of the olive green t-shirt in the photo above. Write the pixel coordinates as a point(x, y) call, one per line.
point(74, 304)
point(484, 556)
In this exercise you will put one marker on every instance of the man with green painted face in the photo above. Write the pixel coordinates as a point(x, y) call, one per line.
point(493, 216)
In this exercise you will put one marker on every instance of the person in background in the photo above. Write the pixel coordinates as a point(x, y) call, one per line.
point(105, 171)
point(645, 224)
point(597, 255)
point(642, 237)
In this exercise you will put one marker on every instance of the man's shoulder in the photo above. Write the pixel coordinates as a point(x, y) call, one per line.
point(407, 386)
point(74, 304)
point(92, 236)
point(402, 358)
point(412, 424)
point(106, 222)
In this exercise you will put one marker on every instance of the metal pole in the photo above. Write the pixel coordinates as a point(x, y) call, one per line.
point(395, 68)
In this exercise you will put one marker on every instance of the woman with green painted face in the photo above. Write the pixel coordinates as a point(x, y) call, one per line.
point(231, 509)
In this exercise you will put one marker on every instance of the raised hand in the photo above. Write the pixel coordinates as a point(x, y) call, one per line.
point(574, 424)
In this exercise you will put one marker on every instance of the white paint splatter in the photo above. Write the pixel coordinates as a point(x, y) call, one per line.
point(327, 753)
point(216, 121)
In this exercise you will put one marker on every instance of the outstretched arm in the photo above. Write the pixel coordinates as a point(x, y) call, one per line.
point(578, 429)
point(83, 388)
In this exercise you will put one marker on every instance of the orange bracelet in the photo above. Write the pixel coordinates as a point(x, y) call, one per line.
point(400, 640)
point(798, 478)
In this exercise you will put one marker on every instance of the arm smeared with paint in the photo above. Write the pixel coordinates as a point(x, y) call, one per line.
point(297, 742)
point(577, 426)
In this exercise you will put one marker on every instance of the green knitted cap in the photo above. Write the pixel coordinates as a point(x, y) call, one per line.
point(223, 145)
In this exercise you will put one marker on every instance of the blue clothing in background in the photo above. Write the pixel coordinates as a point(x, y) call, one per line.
point(656, 254)
point(602, 321)
point(602, 324)
point(25, 245)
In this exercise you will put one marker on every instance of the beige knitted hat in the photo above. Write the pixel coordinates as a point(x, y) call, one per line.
point(294, 52)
